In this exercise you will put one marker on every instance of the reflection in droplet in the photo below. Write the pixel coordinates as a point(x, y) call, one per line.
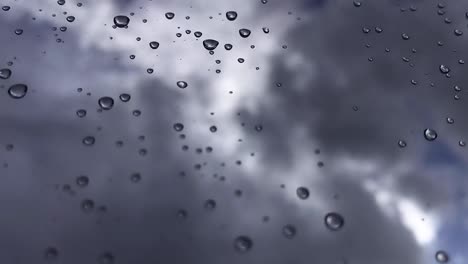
point(106, 102)
point(334, 221)
point(18, 91)
point(231, 15)
point(5, 73)
point(210, 44)
point(121, 21)
point(243, 244)
point(430, 134)
point(441, 256)
point(243, 32)
point(302, 193)
point(289, 231)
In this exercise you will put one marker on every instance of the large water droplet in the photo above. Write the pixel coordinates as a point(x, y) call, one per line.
point(210, 44)
point(106, 102)
point(444, 69)
point(154, 44)
point(182, 84)
point(289, 231)
point(334, 221)
point(121, 21)
point(303, 193)
point(430, 134)
point(169, 15)
point(18, 91)
point(243, 32)
point(442, 256)
point(243, 244)
point(231, 15)
point(5, 73)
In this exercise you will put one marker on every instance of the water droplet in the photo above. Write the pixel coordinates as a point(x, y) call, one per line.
point(63, 29)
point(197, 34)
point(365, 30)
point(441, 256)
point(266, 30)
point(378, 29)
point(243, 244)
point(405, 36)
point(182, 84)
point(18, 32)
point(264, 1)
point(210, 44)
point(87, 205)
point(356, 3)
point(240, 60)
point(231, 15)
point(5, 8)
point(303, 193)
point(61, 2)
point(450, 120)
point(121, 21)
point(213, 129)
point(457, 88)
point(458, 32)
point(289, 231)
point(430, 134)
point(106, 102)
point(461, 143)
point(228, 46)
point(334, 221)
point(243, 32)
point(70, 18)
point(154, 44)
point(170, 15)
point(444, 69)
point(178, 127)
point(81, 113)
point(401, 143)
point(125, 97)
point(18, 91)
point(135, 177)
point(210, 204)
point(88, 140)
point(82, 181)
point(5, 73)
point(106, 258)
point(51, 253)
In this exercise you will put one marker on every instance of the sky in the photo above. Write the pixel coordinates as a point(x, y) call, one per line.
point(333, 96)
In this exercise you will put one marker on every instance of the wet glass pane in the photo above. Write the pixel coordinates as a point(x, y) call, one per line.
point(246, 131)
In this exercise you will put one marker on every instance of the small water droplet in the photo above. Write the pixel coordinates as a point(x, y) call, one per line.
point(228, 46)
point(82, 181)
point(170, 15)
point(458, 32)
point(61, 2)
point(124, 97)
point(401, 143)
point(231, 15)
point(88, 140)
point(303, 193)
point(178, 127)
point(405, 36)
point(243, 32)
point(210, 204)
point(210, 44)
point(5, 73)
point(243, 244)
point(106, 258)
point(444, 69)
point(334, 221)
point(450, 120)
point(289, 231)
point(430, 134)
point(18, 32)
point(135, 177)
point(154, 44)
point(182, 84)
point(87, 205)
point(51, 253)
point(213, 129)
point(18, 91)
point(266, 30)
point(81, 113)
point(121, 21)
point(70, 18)
point(441, 256)
point(197, 34)
point(106, 102)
